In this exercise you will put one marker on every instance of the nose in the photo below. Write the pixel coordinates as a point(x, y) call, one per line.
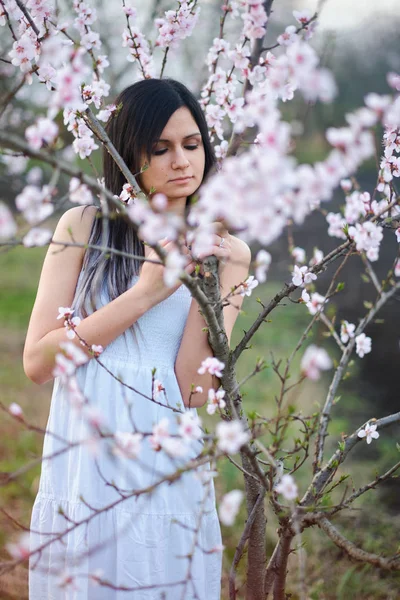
point(180, 160)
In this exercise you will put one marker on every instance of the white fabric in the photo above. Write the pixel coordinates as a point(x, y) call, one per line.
point(141, 541)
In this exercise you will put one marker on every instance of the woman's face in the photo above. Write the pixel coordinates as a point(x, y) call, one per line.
point(177, 162)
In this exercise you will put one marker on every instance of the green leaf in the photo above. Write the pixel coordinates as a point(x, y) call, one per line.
point(340, 286)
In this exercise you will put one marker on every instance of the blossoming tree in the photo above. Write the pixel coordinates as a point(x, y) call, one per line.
point(242, 100)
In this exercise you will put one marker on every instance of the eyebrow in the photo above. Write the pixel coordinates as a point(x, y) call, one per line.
point(185, 138)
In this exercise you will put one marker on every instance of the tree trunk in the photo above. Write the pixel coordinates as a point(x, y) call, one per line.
point(256, 556)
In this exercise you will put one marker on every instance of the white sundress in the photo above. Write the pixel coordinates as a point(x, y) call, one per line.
point(142, 541)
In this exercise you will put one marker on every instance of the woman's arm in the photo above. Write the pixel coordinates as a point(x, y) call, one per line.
point(57, 285)
point(194, 347)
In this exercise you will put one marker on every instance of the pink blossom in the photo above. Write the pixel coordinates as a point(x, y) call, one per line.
point(97, 349)
point(212, 366)
point(215, 400)
point(336, 224)
point(23, 52)
point(8, 227)
point(221, 150)
point(37, 237)
point(302, 276)
point(393, 80)
point(287, 487)
point(367, 236)
point(303, 16)
point(79, 193)
point(174, 266)
point(318, 255)
point(190, 426)
point(363, 345)
point(240, 56)
point(15, 410)
point(105, 113)
point(74, 353)
point(84, 146)
point(315, 302)
point(46, 74)
point(262, 263)
point(91, 40)
point(64, 312)
point(158, 388)
point(369, 432)
point(94, 416)
point(75, 396)
point(44, 131)
point(248, 286)
point(127, 445)
point(288, 37)
point(231, 436)
point(346, 185)
point(64, 367)
point(159, 202)
point(176, 25)
point(299, 255)
point(397, 268)
point(346, 331)
point(175, 447)
point(21, 548)
point(229, 507)
point(314, 361)
point(160, 433)
point(67, 580)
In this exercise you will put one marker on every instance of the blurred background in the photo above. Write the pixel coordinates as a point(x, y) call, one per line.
point(360, 42)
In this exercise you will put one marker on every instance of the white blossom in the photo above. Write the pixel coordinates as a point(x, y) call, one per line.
point(229, 507)
point(369, 433)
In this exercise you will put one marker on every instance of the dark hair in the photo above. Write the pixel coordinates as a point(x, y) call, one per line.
point(144, 109)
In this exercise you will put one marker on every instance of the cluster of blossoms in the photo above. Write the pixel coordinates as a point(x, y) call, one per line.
point(215, 400)
point(176, 24)
point(367, 237)
point(139, 49)
point(44, 131)
point(363, 342)
point(84, 143)
point(79, 193)
point(302, 276)
point(35, 203)
point(176, 444)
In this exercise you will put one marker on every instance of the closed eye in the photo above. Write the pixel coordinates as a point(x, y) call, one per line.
point(164, 150)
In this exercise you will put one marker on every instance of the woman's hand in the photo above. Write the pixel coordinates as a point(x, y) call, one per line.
point(221, 246)
point(151, 278)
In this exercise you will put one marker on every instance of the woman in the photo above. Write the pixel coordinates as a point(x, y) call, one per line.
point(87, 519)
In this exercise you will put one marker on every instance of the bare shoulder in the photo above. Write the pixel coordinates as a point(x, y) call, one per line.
point(240, 250)
point(76, 221)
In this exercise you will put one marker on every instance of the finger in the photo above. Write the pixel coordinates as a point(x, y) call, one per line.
point(218, 251)
point(190, 267)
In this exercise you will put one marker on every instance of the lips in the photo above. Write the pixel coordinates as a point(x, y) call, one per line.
point(181, 179)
